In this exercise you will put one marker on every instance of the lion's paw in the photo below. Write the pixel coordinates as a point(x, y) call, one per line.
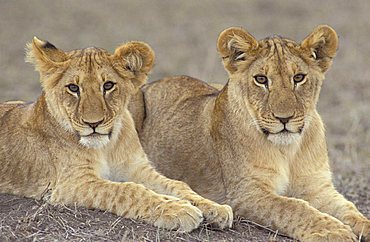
point(333, 232)
point(216, 214)
point(177, 215)
point(328, 236)
point(362, 229)
point(360, 226)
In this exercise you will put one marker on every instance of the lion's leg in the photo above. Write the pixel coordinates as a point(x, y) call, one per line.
point(220, 215)
point(254, 200)
point(325, 198)
point(126, 199)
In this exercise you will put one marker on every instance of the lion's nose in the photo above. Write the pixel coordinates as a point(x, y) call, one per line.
point(283, 120)
point(93, 124)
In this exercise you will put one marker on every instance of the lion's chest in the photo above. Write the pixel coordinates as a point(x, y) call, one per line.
point(282, 182)
point(104, 169)
point(282, 177)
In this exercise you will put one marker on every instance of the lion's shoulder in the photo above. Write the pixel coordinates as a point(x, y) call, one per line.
point(13, 107)
point(178, 88)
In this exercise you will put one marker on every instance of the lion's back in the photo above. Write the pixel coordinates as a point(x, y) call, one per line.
point(10, 112)
point(174, 127)
point(171, 90)
point(23, 157)
point(175, 102)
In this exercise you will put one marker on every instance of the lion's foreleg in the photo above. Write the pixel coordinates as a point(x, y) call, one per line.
point(291, 216)
point(220, 215)
point(321, 194)
point(130, 200)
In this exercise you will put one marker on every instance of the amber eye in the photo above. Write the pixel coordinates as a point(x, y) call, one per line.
point(108, 85)
point(261, 79)
point(73, 88)
point(298, 78)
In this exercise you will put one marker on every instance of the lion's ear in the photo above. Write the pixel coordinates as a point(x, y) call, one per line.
point(136, 58)
point(44, 55)
point(234, 45)
point(322, 45)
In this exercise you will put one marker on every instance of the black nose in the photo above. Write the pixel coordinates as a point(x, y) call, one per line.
point(284, 120)
point(93, 124)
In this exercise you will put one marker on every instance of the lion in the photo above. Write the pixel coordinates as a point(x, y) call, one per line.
point(258, 143)
point(78, 141)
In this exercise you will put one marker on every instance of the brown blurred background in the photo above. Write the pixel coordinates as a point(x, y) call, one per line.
point(183, 34)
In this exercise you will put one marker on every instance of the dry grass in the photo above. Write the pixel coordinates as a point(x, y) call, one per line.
point(183, 35)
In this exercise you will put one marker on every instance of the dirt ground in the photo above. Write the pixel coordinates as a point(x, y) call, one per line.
point(183, 35)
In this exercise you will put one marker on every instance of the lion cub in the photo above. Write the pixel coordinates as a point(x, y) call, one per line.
point(78, 139)
point(258, 144)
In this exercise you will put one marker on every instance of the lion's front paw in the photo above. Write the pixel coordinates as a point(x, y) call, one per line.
point(216, 214)
point(333, 231)
point(177, 215)
point(341, 235)
point(360, 225)
point(362, 229)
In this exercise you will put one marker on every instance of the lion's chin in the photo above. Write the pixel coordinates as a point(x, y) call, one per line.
point(284, 138)
point(94, 141)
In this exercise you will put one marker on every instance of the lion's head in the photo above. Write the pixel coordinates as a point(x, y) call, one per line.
point(86, 90)
point(279, 79)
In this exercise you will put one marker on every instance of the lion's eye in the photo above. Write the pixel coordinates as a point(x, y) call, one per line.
point(73, 88)
point(298, 78)
point(108, 85)
point(261, 79)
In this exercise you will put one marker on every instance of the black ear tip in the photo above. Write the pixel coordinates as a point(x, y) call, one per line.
point(48, 45)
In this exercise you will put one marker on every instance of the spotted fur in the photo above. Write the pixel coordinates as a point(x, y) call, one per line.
point(258, 147)
point(78, 140)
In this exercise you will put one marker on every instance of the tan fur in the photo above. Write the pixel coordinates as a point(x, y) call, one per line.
point(228, 146)
point(83, 145)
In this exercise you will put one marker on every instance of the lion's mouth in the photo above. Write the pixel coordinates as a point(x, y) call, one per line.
point(95, 139)
point(265, 131)
point(97, 135)
point(282, 131)
point(283, 137)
